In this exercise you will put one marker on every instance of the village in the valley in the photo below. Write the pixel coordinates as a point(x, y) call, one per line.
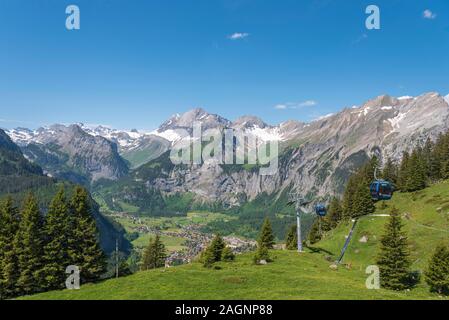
point(194, 240)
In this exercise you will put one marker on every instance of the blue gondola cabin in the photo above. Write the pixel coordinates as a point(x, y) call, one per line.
point(381, 190)
point(320, 210)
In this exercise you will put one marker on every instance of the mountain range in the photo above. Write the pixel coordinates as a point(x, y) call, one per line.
point(315, 158)
point(18, 177)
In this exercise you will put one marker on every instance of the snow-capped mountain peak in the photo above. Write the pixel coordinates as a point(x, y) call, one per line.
point(187, 119)
point(249, 122)
point(383, 115)
point(169, 134)
point(21, 136)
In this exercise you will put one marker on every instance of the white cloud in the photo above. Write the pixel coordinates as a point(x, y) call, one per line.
point(280, 107)
point(296, 105)
point(428, 14)
point(238, 36)
point(308, 103)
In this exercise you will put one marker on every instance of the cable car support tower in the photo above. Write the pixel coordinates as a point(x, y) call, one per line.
point(300, 203)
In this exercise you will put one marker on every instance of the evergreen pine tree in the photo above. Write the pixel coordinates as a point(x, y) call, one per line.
point(437, 273)
point(363, 203)
point(155, 254)
point(291, 240)
point(366, 173)
point(357, 197)
point(9, 224)
point(262, 253)
point(434, 167)
point(84, 248)
point(217, 246)
point(227, 255)
point(161, 252)
point(403, 171)
point(315, 234)
point(348, 197)
point(416, 178)
point(427, 156)
point(56, 231)
point(390, 172)
point(28, 245)
point(444, 156)
point(393, 259)
point(208, 258)
point(325, 222)
point(214, 252)
point(334, 214)
point(266, 237)
point(436, 158)
point(149, 257)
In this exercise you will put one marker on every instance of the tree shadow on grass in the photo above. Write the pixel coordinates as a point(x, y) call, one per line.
point(319, 250)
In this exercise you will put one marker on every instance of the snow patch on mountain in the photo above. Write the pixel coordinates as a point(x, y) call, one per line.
point(361, 111)
point(20, 136)
point(326, 116)
point(170, 135)
point(108, 132)
point(123, 138)
point(266, 134)
point(395, 122)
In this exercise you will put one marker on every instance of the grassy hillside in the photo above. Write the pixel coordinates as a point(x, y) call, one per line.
point(293, 276)
point(290, 277)
point(426, 219)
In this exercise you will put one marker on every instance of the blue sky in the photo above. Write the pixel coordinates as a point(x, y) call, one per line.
point(134, 63)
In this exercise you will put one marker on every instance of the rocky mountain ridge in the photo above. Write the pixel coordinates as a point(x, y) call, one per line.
point(70, 153)
point(315, 158)
point(318, 157)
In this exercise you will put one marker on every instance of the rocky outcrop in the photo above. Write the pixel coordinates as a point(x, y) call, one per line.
point(69, 152)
